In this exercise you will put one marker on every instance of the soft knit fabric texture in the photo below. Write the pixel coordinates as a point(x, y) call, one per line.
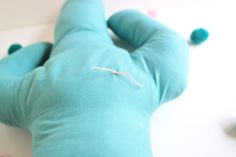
point(73, 111)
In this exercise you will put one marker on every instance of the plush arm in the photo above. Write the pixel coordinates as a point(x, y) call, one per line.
point(160, 51)
point(12, 72)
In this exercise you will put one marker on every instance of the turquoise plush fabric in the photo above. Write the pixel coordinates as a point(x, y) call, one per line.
point(72, 110)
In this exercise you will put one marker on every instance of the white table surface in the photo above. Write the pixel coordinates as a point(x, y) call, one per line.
point(190, 126)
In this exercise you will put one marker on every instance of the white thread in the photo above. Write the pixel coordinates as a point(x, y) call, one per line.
point(127, 75)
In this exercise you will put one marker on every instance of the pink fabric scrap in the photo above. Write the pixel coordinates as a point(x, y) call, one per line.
point(4, 155)
point(152, 13)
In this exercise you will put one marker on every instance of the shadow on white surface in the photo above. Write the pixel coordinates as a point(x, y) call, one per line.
point(15, 142)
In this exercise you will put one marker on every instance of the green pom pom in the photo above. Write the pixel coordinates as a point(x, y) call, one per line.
point(199, 35)
point(13, 48)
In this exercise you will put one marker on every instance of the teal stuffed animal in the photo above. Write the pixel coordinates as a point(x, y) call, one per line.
point(86, 97)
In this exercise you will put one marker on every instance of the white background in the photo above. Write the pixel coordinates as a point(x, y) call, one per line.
point(190, 126)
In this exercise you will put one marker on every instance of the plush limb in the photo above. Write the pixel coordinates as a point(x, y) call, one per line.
point(12, 71)
point(82, 16)
point(161, 52)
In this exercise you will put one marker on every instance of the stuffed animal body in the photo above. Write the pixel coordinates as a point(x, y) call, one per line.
point(86, 97)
